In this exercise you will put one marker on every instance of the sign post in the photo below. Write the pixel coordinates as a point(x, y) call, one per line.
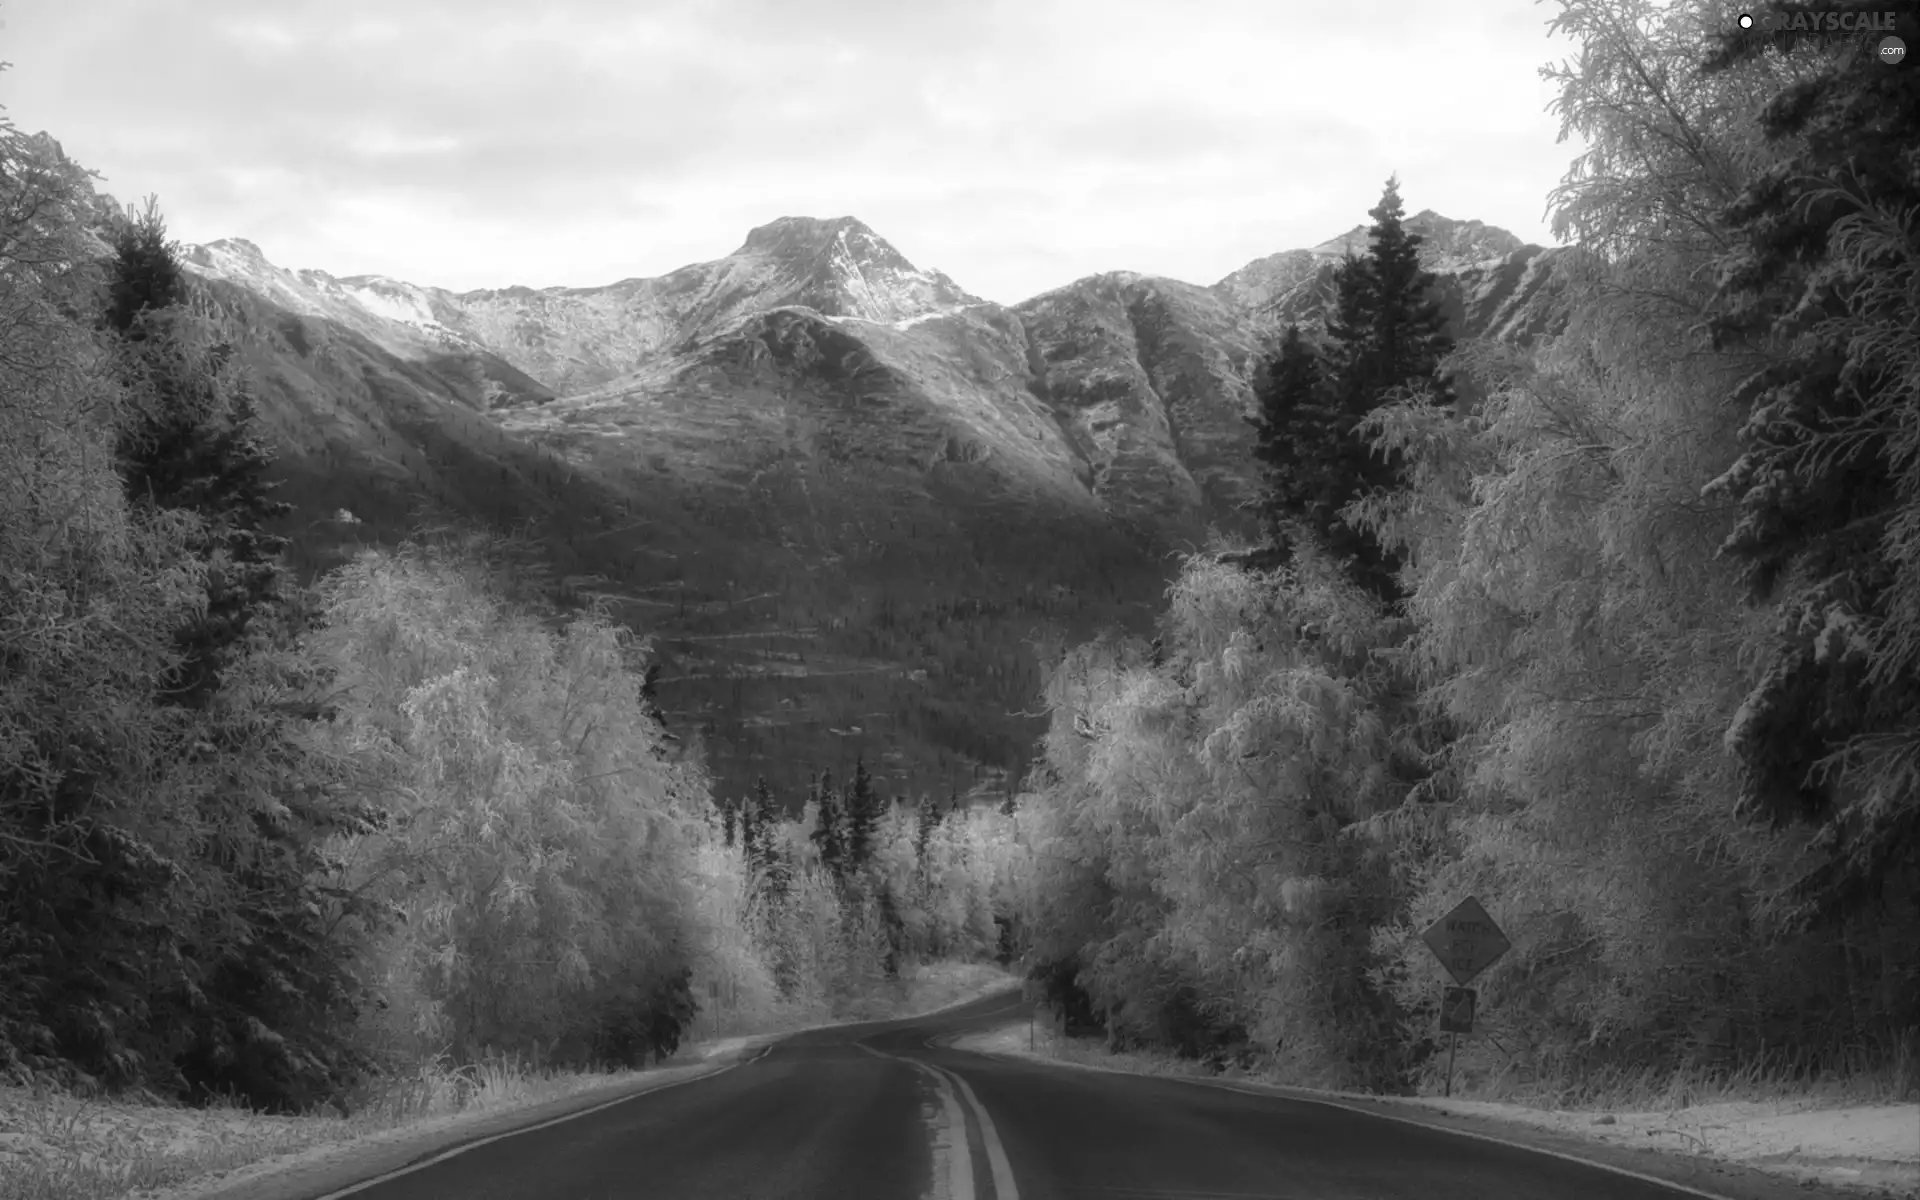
point(1467, 942)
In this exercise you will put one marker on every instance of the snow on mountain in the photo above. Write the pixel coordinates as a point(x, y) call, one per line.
point(401, 317)
point(577, 339)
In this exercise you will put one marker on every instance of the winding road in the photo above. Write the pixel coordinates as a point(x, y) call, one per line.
point(889, 1112)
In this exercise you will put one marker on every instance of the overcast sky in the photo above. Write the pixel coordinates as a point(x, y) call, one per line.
point(1015, 144)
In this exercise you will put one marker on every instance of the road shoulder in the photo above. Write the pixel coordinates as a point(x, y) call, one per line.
point(332, 1167)
point(1624, 1144)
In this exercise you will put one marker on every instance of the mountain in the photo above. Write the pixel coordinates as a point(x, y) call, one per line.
point(844, 496)
point(1148, 379)
point(577, 338)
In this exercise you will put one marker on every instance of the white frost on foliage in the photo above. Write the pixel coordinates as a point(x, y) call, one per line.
point(1836, 636)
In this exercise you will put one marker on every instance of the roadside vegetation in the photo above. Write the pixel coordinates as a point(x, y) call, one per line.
point(1616, 633)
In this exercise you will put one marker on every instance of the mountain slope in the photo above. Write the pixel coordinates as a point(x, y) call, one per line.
point(1147, 377)
point(845, 496)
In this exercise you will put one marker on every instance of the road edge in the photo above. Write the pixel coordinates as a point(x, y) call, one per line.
point(354, 1164)
point(1700, 1176)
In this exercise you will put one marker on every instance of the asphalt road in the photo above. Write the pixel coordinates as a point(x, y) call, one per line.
point(876, 1111)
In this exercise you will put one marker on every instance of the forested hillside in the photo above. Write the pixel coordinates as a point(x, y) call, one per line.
point(1625, 646)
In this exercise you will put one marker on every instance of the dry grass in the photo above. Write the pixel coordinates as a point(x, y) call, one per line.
point(1882, 1072)
point(57, 1146)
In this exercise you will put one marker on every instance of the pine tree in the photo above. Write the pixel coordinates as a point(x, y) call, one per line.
point(190, 442)
point(1384, 333)
point(829, 830)
point(863, 815)
point(146, 275)
point(1409, 339)
point(188, 946)
point(1820, 274)
point(1350, 334)
point(1295, 438)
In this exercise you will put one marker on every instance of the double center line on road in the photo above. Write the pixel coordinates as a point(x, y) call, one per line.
point(954, 1090)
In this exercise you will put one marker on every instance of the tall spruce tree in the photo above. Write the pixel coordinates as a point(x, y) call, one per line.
point(1408, 339)
point(1820, 274)
point(830, 829)
point(1296, 438)
point(1350, 334)
point(862, 817)
point(258, 989)
point(1384, 333)
point(146, 275)
point(190, 442)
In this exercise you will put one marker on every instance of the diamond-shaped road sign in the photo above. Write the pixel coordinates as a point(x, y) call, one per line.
point(1466, 941)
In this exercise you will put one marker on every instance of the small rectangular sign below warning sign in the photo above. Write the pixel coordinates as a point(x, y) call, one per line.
point(1456, 1010)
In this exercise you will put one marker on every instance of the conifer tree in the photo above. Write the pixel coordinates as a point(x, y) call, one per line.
point(1409, 338)
point(190, 442)
point(1295, 438)
point(146, 274)
point(863, 815)
point(1820, 273)
point(1384, 333)
point(1349, 331)
point(829, 831)
point(214, 967)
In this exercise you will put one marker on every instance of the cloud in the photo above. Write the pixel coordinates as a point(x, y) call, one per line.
point(1011, 143)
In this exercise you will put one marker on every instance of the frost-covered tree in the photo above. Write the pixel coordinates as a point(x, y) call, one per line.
point(540, 840)
point(1822, 267)
point(159, 862)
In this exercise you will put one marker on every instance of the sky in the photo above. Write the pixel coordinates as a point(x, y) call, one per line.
point(1016, 145)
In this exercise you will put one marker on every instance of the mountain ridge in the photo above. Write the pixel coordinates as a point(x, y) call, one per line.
point(845, 497)
point(1449, 245)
